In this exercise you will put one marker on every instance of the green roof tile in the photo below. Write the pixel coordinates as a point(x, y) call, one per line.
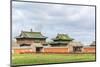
point(62, 37)
point(25, 34)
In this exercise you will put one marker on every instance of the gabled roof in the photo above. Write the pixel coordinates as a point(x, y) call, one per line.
point(75, 43)
point(25, 34)
point(62, 37)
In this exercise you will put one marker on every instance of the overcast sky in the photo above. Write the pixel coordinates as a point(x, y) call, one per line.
point(50, 19)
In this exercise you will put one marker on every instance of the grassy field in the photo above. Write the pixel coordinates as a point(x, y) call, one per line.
point(21, 59)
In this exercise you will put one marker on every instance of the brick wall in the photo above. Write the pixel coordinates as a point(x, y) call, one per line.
point(56, 50)
point(52, 50)
point(21, 51)
point(89, 49)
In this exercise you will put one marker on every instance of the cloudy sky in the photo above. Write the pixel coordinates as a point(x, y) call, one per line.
point(50, 19)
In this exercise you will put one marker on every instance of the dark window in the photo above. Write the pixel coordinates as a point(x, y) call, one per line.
point(45, 44)
point(24, 45)
point(59, 45)
point(38, 49)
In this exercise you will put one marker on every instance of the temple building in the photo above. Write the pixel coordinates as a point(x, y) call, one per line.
point(35, 42)
point(61, 40)
point(75, 47)
point(32, 40)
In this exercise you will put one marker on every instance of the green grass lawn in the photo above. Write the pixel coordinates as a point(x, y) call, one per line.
point(26, 59)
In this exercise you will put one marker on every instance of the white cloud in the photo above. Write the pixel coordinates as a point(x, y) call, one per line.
point(50, 19)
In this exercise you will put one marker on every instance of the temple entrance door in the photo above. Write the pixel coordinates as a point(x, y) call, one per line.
point(77, 49)
point(38, 49)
